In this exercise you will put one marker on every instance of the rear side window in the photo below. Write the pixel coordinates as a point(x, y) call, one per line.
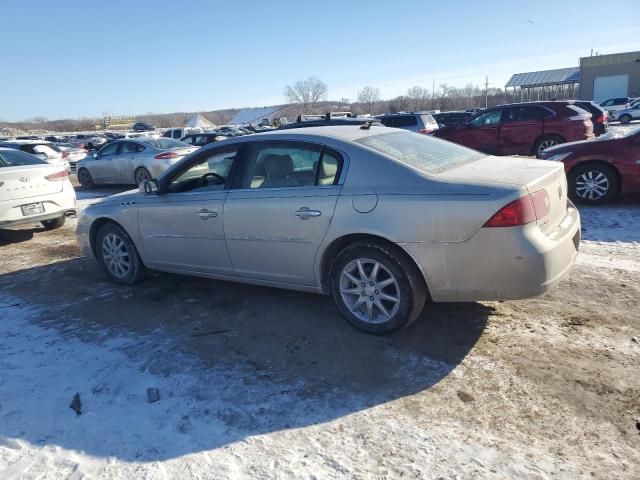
point(16, 158)
point(428, 120)
point(521, 114)
point(388, 121)
point(406, 121)
point(422, 152)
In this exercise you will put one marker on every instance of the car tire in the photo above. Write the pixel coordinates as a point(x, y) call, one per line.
point(118, 255)
point(593, 184)
point(140, 175)
point(626, 118)
point(85, 178)
point(546, 141)
point(364, 296)
point(53, 224)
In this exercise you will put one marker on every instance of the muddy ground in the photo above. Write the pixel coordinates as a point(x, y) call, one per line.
point(542, 388)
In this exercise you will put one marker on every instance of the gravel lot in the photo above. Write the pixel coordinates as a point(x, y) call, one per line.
point(264, 383)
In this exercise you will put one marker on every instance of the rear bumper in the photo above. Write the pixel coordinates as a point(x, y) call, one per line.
point(499, 263)
point(55, 205)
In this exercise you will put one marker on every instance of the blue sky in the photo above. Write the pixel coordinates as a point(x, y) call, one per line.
point(69, 58)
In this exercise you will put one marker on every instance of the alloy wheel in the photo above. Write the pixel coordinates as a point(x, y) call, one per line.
point(592, 185)
point(142, 175)
point(547, 144)
point(115, 255)
point(369, 290)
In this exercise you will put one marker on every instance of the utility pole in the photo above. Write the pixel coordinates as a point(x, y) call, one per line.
point(486, 92)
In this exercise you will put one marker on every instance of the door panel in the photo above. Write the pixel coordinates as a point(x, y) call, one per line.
point(185, 231)
point(123, 163)
point(274, 234)
point(520, 127)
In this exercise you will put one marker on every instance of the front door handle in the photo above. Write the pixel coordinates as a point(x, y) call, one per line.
point(304, 213)
point(204, 214)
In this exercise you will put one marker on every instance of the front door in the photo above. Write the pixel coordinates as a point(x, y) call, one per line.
point(481, 133)
point(182, 228)
point(275, 223)
point(101, 167)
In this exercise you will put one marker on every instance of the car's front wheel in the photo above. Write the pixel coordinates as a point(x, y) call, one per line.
point(626, 118)
point(118, 255)
point(377, 288)
point(593, 183)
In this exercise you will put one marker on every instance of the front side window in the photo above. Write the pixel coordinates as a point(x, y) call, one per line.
point(109, 149)
point(210, 173)
point(487, 118)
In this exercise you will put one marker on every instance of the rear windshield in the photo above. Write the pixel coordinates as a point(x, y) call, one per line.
point(164, 143)
point(16, 158)
point(422, 152)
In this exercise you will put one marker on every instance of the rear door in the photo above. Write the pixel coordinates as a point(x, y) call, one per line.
point(275, 223)
point(124, 161)
point(521, 127)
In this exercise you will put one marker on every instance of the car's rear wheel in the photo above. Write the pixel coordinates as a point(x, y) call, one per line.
point(141, 174)
point(118, 255)
point(54, 223)
point(376, 288)
point(626, 118)
point(545, 142)
point(593, 183)
point(85, 178)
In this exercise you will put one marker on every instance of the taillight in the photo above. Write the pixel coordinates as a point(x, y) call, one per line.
point(541, 203)
point(166, 155)
point(58, 175)
point(524, 210)
point(425, 131)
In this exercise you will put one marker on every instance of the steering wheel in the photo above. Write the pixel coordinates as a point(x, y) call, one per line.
point(204, 179)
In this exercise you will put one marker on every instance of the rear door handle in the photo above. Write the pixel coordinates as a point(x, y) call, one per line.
point(304, 213)
point(204, 214)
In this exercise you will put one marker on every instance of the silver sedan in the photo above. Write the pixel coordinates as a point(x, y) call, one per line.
point(381, 219)
point(131, 161)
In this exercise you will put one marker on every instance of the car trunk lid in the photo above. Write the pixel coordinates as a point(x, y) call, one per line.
point(532, 175)
point(28, 181)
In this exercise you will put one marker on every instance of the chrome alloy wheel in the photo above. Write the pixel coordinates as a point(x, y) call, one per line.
point(592, 185)
point(115, 255)
point(369, 290)
point(550, 142)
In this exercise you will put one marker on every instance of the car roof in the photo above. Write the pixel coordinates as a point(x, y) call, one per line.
point(28, 142)
point(338, 132)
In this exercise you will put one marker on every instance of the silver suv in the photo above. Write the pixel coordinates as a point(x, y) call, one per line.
point(419, 122)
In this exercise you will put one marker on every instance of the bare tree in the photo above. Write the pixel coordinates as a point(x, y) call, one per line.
point(445, 90)
point(369, 96)
point(399, 104)
point(306, 93)
point(418, 98)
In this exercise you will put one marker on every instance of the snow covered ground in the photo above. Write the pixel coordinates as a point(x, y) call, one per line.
point(258, 383)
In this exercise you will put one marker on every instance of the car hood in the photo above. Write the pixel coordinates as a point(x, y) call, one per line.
point(118, 198)
point(567, 147)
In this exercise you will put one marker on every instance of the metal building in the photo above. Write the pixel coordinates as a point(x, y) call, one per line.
point(559, 84)
point(610, 76)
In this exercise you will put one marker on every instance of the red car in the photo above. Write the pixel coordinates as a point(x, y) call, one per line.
point(521, 128)
point(600, 170)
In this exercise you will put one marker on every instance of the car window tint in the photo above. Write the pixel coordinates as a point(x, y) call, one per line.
point(329, 168)
point(128, 147)
point(210, 173)
point(488, 118)
point(422, 152)
point(521, 114)
point(16, 158)
point(110, 149)
point(271, 166)
point(406, 121)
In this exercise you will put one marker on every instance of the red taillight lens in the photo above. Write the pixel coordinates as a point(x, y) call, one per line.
point(58, 175)
point(166, 155)
point(601, 118)
point(518, 212)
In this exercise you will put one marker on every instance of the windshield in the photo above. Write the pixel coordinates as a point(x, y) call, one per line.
point(163, 143)
point(422, 152)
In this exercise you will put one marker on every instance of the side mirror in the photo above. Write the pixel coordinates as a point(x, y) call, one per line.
point(149, 187)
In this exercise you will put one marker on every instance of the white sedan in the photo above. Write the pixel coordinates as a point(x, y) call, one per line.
point(32, 190)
